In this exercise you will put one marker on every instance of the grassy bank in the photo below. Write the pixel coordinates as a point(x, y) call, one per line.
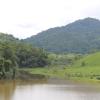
point(89, 74)
point(86, 69)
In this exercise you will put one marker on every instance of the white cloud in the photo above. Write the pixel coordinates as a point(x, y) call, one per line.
point(24, 18)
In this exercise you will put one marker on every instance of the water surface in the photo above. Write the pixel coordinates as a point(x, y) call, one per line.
point(47, 90)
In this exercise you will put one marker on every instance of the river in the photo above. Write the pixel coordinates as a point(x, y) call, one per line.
point(48, 90)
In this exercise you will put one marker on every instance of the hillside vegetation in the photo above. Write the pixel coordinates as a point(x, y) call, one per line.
point(7, 38)
point(89, 60)
point(85, 69)
point(74, 52)
point(81, 36)
point(15, 54)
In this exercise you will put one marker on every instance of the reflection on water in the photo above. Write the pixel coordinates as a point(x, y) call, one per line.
point(6, 90)
point(45, 90)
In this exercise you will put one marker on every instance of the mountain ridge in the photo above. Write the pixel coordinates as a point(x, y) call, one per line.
point(80, 36)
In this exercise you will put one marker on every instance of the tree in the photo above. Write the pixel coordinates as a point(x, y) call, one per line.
point(7, 60)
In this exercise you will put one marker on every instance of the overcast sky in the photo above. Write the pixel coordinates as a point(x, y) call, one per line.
point(24, 18)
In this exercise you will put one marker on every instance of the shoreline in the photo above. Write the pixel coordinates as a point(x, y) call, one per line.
point(47, 75)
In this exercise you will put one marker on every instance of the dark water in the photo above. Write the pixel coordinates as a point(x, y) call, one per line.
point(47, 90)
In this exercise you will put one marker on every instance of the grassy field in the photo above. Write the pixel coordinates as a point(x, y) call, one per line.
point(70, 73)
point(85, 69)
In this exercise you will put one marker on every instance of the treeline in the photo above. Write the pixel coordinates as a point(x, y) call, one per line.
point(63, 59)
point(18, 54)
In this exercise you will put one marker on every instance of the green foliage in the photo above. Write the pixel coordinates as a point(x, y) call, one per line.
point(7, 38)
point(63, 59)
point(31, 57)
point(14, 53)
point(7, 65)
point(89, 60)
point(1, 64)
point(7, 59)
point(85, 69)
point(82, 36)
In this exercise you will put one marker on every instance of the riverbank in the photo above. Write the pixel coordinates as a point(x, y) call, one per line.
point(80, 74)
point(26, 75)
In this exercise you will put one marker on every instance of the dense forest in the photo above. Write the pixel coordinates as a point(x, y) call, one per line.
point(14, 54)
point(81, 36)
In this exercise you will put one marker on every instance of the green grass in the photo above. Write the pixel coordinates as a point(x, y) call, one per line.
point(87, 68)
point(89, 60)
point(52, 72)
point(88, 72)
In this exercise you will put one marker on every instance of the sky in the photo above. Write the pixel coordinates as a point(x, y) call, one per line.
point(24, 18)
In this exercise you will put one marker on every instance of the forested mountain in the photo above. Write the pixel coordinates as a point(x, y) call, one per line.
point(81, 36)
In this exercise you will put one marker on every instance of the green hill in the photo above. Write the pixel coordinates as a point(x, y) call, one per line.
point(81, 36)
point(85, 69)
point(89, 60)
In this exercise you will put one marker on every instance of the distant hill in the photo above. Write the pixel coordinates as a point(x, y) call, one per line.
point(81, 36)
